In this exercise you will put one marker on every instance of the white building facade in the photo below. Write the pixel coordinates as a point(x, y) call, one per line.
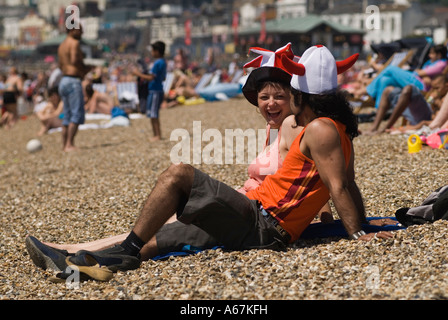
point(291, 8)
point(52, 8)
point(383, 23)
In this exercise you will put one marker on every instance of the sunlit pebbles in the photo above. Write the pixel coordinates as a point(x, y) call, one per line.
point(99, 192)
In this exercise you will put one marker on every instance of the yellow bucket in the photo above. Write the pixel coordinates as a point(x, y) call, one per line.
point(414, 143)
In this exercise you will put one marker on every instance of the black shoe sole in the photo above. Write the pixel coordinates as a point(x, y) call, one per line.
point(39, 258)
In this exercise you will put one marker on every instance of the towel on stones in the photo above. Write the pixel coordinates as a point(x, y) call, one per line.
point(313, 231)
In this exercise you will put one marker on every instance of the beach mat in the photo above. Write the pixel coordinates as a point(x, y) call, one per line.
point(336, 229)
point(313, 231)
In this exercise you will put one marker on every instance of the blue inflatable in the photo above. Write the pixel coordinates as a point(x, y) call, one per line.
point(221, 91)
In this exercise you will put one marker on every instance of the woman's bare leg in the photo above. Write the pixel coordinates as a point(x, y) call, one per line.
point(90, 246)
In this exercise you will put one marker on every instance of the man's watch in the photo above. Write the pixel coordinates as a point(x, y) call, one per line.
point(357, 235)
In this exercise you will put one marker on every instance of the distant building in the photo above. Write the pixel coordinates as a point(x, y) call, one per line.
point(52, 9)
point(291, 8)
point(436, 25)
point(126, 25)
point(304, 32)
point(32, 30)
point(9, 27)
point(397, 19)
point(226, 25)
point(11, 32)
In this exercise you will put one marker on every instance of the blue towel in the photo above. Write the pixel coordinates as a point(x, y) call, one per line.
point(336, 229)
point(313, 231)
point(186, 250)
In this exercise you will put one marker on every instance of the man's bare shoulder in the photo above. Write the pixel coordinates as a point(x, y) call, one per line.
point(321, 124)
point(69, 43)
point(63, 46)
point(321, 131)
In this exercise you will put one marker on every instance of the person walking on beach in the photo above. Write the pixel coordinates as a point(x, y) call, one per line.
point(70, 88)
point(155, 86)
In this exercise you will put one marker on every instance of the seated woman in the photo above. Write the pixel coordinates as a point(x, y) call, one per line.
point(183, 88)
point(98, 102)
point(421, 78)
point(50, 112)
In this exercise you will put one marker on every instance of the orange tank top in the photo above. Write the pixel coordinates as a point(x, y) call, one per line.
point(295, 193)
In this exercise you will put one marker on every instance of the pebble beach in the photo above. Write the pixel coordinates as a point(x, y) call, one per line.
point(99, 191)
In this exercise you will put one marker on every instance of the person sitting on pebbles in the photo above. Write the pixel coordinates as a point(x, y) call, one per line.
point(319, 164)
point(268, 89)
point(50, 112)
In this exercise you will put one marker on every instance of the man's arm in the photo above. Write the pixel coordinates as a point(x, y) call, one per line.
point(19, 85)
point(354, 190)
point(77, 59)
point(321, 141)
point(76, 56)
point(148, 77)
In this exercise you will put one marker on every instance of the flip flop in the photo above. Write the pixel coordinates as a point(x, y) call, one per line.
point(93, 270)
point(62, 277)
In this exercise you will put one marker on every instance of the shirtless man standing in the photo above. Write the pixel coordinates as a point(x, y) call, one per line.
point(70, 88)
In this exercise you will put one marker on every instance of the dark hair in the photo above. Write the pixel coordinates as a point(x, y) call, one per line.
point(159, 46)
point(440, 49)
point(331, 104)
point(442, 76)
point(53, 90)
point(89, 90)
point(260, 85)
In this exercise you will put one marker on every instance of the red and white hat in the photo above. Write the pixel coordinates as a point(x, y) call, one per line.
point(268, 67)
point(317, 70)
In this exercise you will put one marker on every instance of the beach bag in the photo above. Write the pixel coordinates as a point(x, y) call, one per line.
point(436, 139)
point(434, 207)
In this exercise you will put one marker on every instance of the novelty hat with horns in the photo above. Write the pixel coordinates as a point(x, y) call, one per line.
point(269, 66)
point(317, 70)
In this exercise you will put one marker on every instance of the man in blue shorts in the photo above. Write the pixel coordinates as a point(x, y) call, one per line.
point(70, 89)
point(156, 77)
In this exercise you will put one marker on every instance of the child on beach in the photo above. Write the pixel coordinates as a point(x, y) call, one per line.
point(156, 77)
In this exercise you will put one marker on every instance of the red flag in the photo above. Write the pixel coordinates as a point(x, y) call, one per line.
point(188, 32)
point(235, 22)
point(262, 37)
point(61, 21)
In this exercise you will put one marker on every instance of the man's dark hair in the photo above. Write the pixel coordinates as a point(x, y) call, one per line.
point(331, 104)
point(159, 46)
